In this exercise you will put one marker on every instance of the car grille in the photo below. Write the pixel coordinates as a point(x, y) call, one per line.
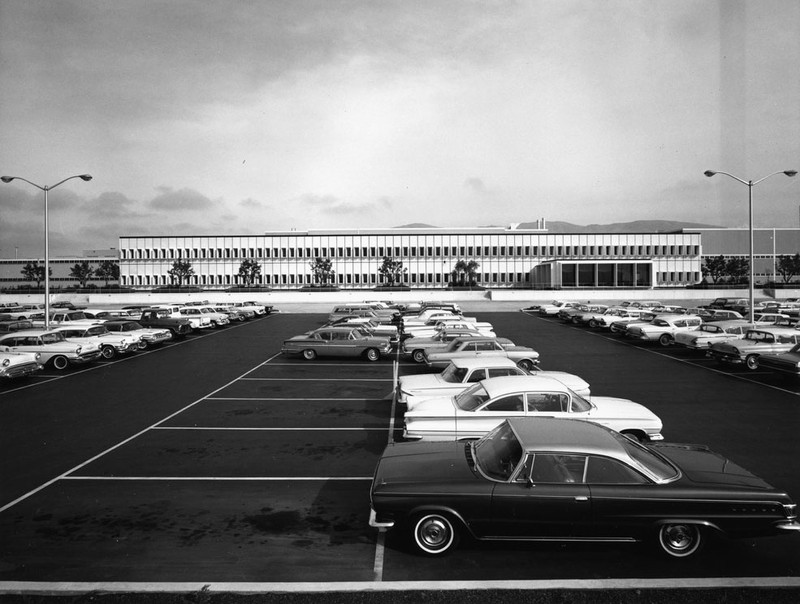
point(16, 371)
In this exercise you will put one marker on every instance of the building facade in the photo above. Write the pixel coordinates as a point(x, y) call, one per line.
point(506, 258)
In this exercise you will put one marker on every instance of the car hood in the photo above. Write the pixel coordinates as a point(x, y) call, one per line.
point(434, 462)
point(701, 465)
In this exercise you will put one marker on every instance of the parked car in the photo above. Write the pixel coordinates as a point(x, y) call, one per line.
point(662, 328)
point(573, 314)
point(747, 350)
point(234, 314)
point(434, 326)
point(111, 344)
point(785, 362)
point(197, 320)
point(416, 347)
point(481, 407)
point(66, 304)
point(54, 349)
point(620, 326)
point(7, 326)
point(560, 479)
point(257, 307)
point(460, 374)
point(720, 314)
point(197, 312)
point(461, 348)
point(160, 318)
point(367, 326)
point(338, 342)
point(553, 308)
point(148, 337)
point(707, 333)
point(609, 316)
point(15, 365)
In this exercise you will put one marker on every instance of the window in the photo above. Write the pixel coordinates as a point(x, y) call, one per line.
point(511, 402)
point(558, 468)
point(548, 402)
point(602, 470)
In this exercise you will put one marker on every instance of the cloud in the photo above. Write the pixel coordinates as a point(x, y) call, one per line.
point(180, 200)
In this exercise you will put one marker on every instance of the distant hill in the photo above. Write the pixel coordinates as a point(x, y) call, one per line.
point(636, 226)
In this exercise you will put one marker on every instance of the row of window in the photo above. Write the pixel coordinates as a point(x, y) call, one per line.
point(374, 279)
point(464, 251)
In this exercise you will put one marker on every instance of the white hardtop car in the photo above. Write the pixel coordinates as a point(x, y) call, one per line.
point(556, 305)
point(196, 319)
point(19, 364)
point(435, 326)
point(707, 333)
point(483, 406)
point(462, 373)
point(662, 329)
point(111, 344)
point(53, 347)
point(148, 337)
point(426, 315)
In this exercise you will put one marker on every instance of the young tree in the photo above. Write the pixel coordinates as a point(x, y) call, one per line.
point(465, 272)
point(249, 271)
point(472, 272)
point(107, 270)
point(82, 272)
point(788, 266)
point(392, 271)
point(33, 271)
point(322, 268)
point(738, 269)
point(181, 269)
point(715, 268)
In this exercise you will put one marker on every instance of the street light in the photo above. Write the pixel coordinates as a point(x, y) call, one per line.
point(750, 184)
point(86, 177)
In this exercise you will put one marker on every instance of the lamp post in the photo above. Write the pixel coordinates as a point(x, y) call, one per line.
point(86, 177)
point(750, 184)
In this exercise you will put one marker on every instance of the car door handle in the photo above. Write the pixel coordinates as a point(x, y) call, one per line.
point(581, 498)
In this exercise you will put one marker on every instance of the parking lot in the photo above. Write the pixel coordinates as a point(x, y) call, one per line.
point(219, 460)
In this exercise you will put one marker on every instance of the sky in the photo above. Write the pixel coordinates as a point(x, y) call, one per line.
point(248, 116)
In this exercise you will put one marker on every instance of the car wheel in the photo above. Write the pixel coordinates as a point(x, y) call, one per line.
point(525, 364)
point(372, 354)
point(435, 534)
point(418, 356)
point(665, 339)
point(309, 355)
point(108, 352)
point(680, 540)
point(594, 324)
point(751, 362)
point(575, 320)
point(60, 362)
point(142, 345)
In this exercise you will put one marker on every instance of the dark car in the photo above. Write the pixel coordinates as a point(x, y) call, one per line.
point(786, 362)
point(337, 342)
point(567, 480)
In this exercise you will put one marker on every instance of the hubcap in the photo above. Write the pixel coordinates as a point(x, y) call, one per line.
point(679, 537)
point(434, 533)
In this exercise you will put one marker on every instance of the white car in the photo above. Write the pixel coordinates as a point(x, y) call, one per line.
point(555, 306)
point(460, 374)
point(662, 329)
point(204, 319)
point(111, 344)
point(54, 349)
point(708, 333)
point(435, 326)
point(19, 364)
point(197, 320)
point(483, 406)
point(259, 309)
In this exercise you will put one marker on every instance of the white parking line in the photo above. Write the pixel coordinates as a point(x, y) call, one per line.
point(234, 429)
point(119, 444)
point(246, 398)
point(221, 478)
point(315, 380)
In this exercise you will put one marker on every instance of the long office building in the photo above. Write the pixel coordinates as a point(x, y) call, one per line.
point(506, 258)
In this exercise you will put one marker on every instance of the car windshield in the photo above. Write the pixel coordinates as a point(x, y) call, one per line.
point(98, 330)
point(759, 336)
point(710, 328)
point(498, 453)
point(660, 323)
point(129, 326)
point(453, 374)
point(653, 465)
point(472, 398)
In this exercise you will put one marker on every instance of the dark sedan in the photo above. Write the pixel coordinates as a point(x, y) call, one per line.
point(337, 342)
point(567, 480)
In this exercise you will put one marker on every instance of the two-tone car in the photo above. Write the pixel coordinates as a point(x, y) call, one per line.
point(482, 406)
point(16, 365)
point(460, 374)
point(111, 344)
point(54, 349)
point(662, 328)
point(708, 333)
point(552, 479)
point(756, 342)
point(416, 347)
point(149, 337)
point(337, 342)
point(461, 348)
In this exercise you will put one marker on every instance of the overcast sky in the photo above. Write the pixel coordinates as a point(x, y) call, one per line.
point(240, 117)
